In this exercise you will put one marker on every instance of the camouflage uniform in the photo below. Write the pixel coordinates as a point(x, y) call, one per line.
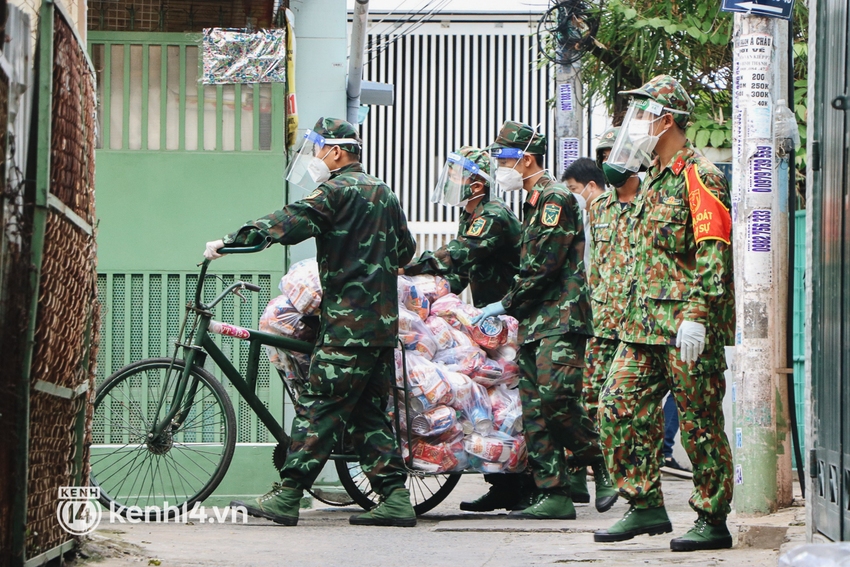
point(485, 253)
point(361, 240)
point(609, 274)
point(549, 298)
point(674, 279)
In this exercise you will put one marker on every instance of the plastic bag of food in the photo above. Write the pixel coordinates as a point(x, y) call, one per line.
point(507, 409)
point(462, 339)
point(461, 388)
point(496, 452)
point(446, 305)
point(414, 334)
point(434, 458)
point(477, 409)
point(465, 360)
point(434, 421)
point(488, 374)
point(426, 384)
point(413, 298)
point(434, 287)
point(302, 286)
point(441, 331)
point(280, 317)
point(510, 372)
point(490, 333)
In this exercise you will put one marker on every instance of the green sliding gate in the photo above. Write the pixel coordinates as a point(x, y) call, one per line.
point(180, 163)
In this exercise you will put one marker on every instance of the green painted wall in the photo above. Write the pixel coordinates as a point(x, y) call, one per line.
point(157, 208)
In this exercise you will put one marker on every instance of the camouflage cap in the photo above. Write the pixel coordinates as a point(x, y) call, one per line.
point(667, 91)
point(331, 128)
point(477, 156)
point(606, 142)
point(520, 136)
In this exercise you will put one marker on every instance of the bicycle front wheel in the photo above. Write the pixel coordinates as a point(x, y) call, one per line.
point(158, 474)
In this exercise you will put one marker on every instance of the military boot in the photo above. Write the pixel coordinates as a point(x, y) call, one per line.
point(493, 499)
point(606, 492)
point(552, 504)
point(578, 486)
point(280, 505)
point(527, 497)
point(703, 536)
point(394, 510)
point(636, 521)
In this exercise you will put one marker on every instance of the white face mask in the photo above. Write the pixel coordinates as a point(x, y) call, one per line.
point(508, 179)
point(318, 170)
point(582, 202)
point(640, 136)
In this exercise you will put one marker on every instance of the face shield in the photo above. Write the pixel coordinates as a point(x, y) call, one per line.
point(306, 169)
point(454, 185)
point(636, 139)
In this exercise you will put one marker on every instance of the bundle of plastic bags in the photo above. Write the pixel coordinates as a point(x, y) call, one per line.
point(301, 296)
point(463, 412)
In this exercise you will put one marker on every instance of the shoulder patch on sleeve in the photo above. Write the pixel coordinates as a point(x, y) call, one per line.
point(477, 227)
point(314, 194)
point(551, 214)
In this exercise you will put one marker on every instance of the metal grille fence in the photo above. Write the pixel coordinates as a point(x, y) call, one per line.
point(140, 318)
point(67, 321)
point(450, 90)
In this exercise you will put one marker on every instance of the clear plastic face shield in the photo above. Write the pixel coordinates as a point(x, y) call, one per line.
point(637, 137)
point(307, 169)
point(454, 185)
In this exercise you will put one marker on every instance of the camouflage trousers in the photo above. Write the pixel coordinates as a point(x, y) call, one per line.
point(598, 357)
point(347, 386)
point(553, 414)
point(631, 424)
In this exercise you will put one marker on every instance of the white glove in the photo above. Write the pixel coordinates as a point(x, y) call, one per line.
point(690, 340)
point(211, 251)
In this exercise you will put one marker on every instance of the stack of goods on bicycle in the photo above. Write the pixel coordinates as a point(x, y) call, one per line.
point(463, 409)
point(301, 296)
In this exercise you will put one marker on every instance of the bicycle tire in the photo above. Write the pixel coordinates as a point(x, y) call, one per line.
point(424, 497)
point(169, 458)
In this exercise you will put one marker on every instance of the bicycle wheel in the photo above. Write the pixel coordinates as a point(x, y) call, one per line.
point(426, 490)
point(181, 466)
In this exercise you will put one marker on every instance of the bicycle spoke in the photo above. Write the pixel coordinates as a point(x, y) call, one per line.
point(178, 465)
point(127, 463)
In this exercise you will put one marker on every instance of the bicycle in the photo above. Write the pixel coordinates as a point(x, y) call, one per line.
point(176, 445)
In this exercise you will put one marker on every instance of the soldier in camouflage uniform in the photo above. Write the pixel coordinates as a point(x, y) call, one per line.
point(484, 255)
point(608, 227)
point(549, 298)
point(361, 240)
point(679, 314)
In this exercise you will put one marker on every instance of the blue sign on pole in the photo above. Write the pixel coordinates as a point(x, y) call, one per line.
point(769, 8)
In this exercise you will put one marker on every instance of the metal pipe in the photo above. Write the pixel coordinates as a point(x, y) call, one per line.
point(355, 58)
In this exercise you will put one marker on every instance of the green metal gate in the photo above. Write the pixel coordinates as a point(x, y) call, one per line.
point(829, 462)
point(181, 163)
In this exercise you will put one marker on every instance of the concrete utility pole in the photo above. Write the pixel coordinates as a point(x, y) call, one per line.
point(568, 117)
point(761, 443)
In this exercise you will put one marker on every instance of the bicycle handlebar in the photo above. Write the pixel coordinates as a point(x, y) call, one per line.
point(250, 286)
point(231, 250)
point(245, 249)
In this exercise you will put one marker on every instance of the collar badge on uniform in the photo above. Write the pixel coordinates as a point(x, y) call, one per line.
point(477, 227)
point(533, 199)
point(678, 165)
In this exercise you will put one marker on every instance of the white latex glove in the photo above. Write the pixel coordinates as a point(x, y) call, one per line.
point(211, 251)
point(690, 340)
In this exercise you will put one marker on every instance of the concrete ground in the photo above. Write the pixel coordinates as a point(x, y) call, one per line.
point(444, 537)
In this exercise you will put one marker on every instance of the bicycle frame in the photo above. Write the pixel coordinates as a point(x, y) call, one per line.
point(200, 344)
